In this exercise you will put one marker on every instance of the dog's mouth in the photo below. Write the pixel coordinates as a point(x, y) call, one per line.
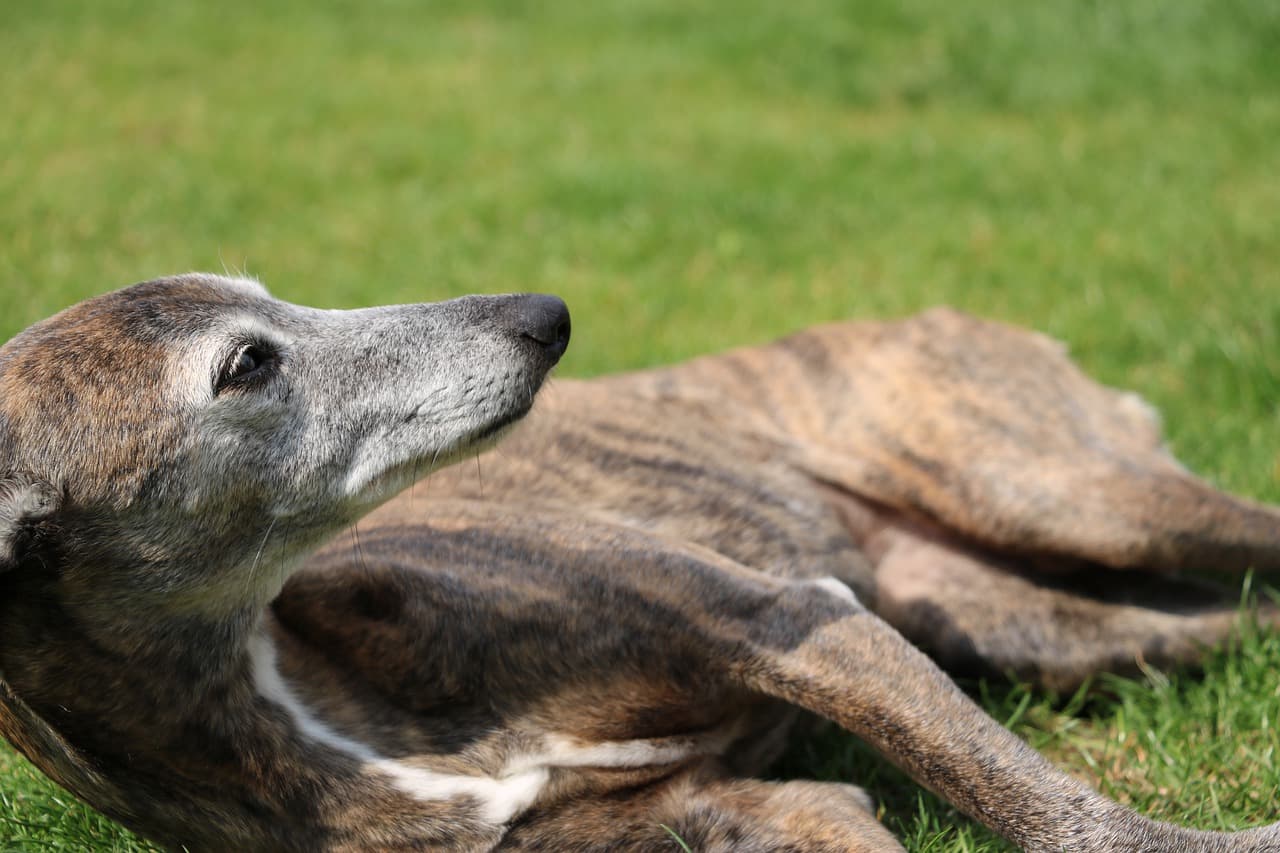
point(480, 439)
point(495, 430)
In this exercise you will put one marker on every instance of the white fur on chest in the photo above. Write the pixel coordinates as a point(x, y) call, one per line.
point(500, 797)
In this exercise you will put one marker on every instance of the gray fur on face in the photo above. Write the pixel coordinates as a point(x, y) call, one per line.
point(341, 410)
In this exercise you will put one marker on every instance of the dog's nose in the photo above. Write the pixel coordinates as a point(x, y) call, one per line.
point(544, 319)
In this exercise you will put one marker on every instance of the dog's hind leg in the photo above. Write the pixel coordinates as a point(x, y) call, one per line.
point(979, 613)
point(993, 433)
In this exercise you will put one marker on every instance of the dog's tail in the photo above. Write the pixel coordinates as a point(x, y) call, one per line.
point(850, 667)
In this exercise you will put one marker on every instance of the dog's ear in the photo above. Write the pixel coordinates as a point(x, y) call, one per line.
point(25, 502)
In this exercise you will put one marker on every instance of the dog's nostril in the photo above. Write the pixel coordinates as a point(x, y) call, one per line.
point(544, 319)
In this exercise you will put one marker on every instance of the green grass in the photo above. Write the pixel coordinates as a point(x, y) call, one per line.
point(696, 175)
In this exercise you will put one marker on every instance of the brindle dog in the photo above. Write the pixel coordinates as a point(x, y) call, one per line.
point(606, 632)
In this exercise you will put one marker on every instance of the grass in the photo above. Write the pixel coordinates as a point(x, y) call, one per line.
point(692, 176)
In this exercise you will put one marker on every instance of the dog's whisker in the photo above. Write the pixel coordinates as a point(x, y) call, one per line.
point(257, 558)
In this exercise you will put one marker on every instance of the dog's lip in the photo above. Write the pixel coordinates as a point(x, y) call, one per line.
point(497, 426)
point(482, 432)
point(477, 441)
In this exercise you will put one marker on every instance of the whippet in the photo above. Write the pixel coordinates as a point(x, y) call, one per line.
point(598, 640)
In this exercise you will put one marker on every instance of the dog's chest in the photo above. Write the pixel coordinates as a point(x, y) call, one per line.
point(492, 768)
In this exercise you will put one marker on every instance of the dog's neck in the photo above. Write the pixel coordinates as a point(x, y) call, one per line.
point(61, 631)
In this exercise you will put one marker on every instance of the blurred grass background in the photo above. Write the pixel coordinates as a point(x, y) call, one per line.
point(694, 176)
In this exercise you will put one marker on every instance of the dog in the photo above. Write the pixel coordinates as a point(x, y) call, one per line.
point(244, 604)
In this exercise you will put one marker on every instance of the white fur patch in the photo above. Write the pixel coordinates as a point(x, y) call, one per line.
point(837, 588)
point(563, 751)
point(246, 283)
point(500, 797)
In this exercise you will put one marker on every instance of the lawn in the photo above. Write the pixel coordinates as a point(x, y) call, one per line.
point(695, 175)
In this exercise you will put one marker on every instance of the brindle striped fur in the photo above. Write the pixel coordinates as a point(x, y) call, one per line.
point(607, 628)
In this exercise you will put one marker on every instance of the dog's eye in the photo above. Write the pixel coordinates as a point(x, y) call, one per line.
point(243, 366)
point(246, 362)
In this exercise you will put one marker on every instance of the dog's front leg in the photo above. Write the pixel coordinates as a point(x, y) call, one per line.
point(823, 652)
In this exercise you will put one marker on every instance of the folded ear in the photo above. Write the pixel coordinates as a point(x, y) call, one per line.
point(25, 502)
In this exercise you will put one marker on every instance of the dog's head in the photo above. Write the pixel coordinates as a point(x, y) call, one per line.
point(191, 436)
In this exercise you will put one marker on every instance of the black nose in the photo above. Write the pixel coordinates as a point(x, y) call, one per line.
point(544, 319)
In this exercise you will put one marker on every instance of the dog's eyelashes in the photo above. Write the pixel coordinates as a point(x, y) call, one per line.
point(246, 364)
